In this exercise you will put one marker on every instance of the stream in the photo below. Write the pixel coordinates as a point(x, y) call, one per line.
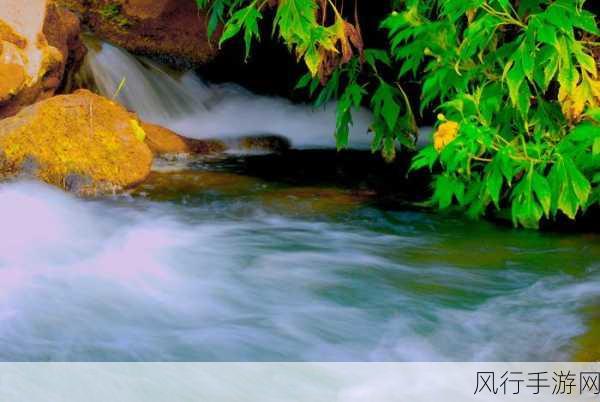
point(210, 262)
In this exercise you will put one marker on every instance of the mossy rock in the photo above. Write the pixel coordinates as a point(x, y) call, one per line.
point(80, 142)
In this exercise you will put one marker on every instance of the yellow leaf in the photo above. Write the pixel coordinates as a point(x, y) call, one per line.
point(574, 101)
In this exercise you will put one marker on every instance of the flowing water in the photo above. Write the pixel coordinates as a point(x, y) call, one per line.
point(210, 262)
point(195, 109)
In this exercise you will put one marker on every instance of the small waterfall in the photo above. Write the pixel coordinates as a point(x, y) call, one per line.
point(195, 109)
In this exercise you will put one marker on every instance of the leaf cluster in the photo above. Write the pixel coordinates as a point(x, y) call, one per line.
point(518, 79)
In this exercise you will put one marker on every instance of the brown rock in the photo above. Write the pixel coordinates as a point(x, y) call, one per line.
point(62, 31)
point(44, 41)
point(163, 141)
point(80, 142)
point(172, 30)
point(149, 9)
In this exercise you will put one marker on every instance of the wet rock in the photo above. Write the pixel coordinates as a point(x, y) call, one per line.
point(39, 43)
point(80, 142)
point(170, 186)
point(164, 142)
point(264, 143)
point(173, 31)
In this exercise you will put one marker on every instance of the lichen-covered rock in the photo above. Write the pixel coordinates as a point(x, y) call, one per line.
point(171, 30)
point(39, 42)
point(80, 142)
point(163, 141)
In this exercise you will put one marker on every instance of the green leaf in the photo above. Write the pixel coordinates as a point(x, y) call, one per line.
point(541, 186)
point(446, 188)
point(373, 56)
point(247, 19)
point(385, 105)
point(596, 147)
point(587, 21)
point(567, 75)
point(525, 209)
point(570, 188)
point(425, 158)
point(594, 114)
point(586, 62)
point(546, 33)
point(514, 79)
point(550, 67)
point(304, 81)
point(351, 98)
point(580, 184)
point(527, 53)
point(494, 179)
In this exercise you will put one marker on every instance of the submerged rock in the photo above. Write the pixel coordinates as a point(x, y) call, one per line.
point(264, 143)
point(180, 185)
point(172, 30)
point(308, 201)
point(81, 142)
point(39, 44)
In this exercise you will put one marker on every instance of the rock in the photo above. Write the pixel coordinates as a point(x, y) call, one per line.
point(264, 143)
point(62, 30)
point(311, 201)
point(38, 43)
point(173, 31)
point(163, 141)
point(186, 184)
point(80, 142)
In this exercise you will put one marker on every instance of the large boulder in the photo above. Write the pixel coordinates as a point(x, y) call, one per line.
point(80, 142)
point(173, 31)
point(39, 43)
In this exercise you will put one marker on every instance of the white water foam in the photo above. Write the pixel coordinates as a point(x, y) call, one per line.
point(137, 280)
point(195, 109)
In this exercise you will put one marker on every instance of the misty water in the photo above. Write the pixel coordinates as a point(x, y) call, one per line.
point(210, 262)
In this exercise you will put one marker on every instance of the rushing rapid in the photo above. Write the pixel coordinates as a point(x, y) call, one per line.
point(216, 277)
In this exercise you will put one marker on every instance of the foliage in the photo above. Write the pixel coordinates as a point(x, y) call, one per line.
point(331, 46)
point(520, 83)
point(515, 81)
point(113, 12)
